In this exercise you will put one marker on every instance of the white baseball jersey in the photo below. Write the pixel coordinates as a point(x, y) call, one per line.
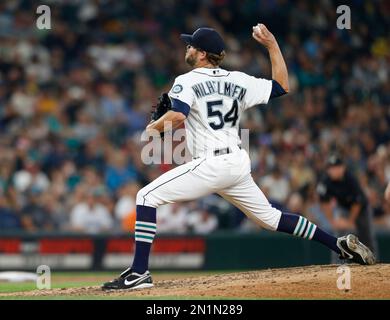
point(217, 98)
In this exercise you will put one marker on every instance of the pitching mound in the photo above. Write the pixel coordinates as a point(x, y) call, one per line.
point(313, 282)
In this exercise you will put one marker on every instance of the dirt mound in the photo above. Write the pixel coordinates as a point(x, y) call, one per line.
point(312, 282)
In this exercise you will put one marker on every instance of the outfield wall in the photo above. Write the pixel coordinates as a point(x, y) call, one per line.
point(219, 251)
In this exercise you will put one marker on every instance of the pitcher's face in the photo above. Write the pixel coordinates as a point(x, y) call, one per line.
point(191, 56)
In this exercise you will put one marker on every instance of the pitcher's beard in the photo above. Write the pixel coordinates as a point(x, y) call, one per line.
point(191, 61)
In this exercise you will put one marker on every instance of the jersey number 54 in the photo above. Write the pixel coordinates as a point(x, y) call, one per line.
point(230, 116)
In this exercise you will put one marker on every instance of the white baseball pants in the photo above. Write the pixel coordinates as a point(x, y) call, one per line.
point(227, 175)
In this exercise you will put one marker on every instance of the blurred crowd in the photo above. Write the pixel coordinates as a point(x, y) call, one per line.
point(75, 99)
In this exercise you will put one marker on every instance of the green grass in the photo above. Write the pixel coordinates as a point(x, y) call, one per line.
point(19, 287)
point(15, 287)
point(56, 283)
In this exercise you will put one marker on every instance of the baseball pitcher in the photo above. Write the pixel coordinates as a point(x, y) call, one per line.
point(210, 100)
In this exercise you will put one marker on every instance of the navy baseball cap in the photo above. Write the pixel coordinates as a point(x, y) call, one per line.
point(206, 39)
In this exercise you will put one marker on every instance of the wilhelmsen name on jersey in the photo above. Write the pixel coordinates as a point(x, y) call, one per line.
point(229, 89)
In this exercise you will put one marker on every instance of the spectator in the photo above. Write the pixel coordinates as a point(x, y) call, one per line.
point(59, 214)
point(201, 221)
point(112, 104)
point(276, 186)
point(31, 177)
point(90, 216)
point(126, 205)
point(84, 129)
point(295, 203)
point(301, 174)
point(35, 217)
point(118, 170)
point(172, 218)
point(340, 192)
point(9, 219)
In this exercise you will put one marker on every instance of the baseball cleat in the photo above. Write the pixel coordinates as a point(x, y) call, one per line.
point(352, 249)
point(129, 280)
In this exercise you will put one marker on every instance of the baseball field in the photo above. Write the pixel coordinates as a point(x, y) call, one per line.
point(309, 282)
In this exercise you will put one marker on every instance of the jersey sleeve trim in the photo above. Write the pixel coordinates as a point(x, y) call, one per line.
point(276, 90)
point(180, 106)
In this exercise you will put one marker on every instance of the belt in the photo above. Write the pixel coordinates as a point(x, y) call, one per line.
point(220, 152)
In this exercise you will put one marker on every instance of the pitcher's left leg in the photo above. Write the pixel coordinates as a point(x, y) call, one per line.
point(248, 197)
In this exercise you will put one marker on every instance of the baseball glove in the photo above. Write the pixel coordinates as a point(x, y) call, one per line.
point(163, 106)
